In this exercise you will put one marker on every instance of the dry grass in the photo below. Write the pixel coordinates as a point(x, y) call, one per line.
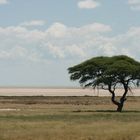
point(68, 118)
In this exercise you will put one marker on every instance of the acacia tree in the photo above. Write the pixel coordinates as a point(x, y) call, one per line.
point(108, 73)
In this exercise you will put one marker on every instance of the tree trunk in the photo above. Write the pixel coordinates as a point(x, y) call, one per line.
point(120, 106)
point(122, 99)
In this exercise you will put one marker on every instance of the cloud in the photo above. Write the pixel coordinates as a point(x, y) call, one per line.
point(95, 27)
point(134, 4)
point(67, 42)
point(4, 2)
point(56, 51)
point(57, 30)
point(33, 23)
point(88, 4)
point(60, 42)
point(133, 1)
point(18, 43)
point(56, 42)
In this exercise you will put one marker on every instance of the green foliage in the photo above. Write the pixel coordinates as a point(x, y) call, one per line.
point(104, 71)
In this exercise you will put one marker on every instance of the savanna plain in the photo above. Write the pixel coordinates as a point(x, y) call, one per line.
point(68, 118)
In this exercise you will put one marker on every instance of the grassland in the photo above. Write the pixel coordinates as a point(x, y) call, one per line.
point(68, 118)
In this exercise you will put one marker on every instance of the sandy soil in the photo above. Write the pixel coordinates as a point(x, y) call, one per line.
point(60, 92)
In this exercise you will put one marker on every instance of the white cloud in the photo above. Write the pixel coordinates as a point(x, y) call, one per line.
point(95, 27)
point(57, 30)
point(76, 50)
point(14, 53)
point(19, 43)
point(88, 4)
point(4, 2)
point(60, 42)
point(134, 4)
point(56, 51)
point(108, 49)
point(33, 23)
point(127, 43)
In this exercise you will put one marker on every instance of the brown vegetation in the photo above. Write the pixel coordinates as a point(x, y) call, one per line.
point(68, 118)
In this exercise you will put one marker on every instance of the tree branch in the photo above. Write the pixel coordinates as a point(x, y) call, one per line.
point(126, 88)
point(104, 87)
point(113, 96)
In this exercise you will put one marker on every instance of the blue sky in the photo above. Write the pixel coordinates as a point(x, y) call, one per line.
point(40, 39)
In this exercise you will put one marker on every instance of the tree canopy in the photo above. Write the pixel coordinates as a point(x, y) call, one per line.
point(108, 73)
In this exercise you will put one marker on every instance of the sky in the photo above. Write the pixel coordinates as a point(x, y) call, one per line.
point(40, 39)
